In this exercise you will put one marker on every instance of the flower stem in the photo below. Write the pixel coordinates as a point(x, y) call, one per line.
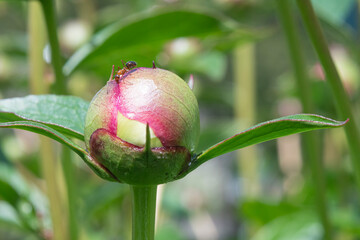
point(310, 139)
point(341, 99)
point(144, 206)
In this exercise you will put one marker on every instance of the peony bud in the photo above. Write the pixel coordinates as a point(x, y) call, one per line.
point(116, 133)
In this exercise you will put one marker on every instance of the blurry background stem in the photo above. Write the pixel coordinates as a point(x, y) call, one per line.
point(245, 111)
point(159, 197)
point(143, 214)
point(48, 157)
point(56, 61)
point(69, 173)
point(310, 141)
point(59, 87)
point(358, 23)
point(341, 99)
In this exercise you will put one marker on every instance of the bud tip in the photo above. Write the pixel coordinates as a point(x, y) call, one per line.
point(148, 141)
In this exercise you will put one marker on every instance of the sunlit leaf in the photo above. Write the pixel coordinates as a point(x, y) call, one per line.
point(264, 132)
point(65, 114)
point(140, 38)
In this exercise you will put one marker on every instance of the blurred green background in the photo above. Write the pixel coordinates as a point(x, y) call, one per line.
point(238, 55)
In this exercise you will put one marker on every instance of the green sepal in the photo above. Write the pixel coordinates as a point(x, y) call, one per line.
point(138, 165)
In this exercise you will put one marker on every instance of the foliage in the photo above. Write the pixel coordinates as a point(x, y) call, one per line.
point(43, 117)
point(188, 37)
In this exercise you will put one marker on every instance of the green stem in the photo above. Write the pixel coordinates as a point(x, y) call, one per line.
point(309, 140)
point(70, 181)
point(245, 111)
point(38, 86)
point(59, 87)
point(56, 60)
point(358, 20)
point(341, 99)
point(50, 175)
point(144, 206)
point(296, 55)
point(37, 38)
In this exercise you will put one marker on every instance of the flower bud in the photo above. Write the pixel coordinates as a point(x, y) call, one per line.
point(143, 127)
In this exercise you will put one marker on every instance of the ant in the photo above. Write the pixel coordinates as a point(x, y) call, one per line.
point(120, 72)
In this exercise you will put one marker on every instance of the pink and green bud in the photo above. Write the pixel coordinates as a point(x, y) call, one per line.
point(116, 132)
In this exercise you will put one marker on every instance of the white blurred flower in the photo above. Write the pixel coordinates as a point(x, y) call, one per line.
point(74, 33)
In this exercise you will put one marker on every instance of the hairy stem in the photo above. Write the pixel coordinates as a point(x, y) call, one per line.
point(144, 206)
point(310, 140)
point(341, 99)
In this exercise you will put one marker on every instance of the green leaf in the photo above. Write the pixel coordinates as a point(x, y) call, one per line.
point(9, 217)
point(249, 210)
point(142, 37)
point(23, 200)
point(334, 11)
point(295, 226)
point(65, 114)
point(52, 133)
point(264, 132)
point(8, 193)
point(106, 194)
